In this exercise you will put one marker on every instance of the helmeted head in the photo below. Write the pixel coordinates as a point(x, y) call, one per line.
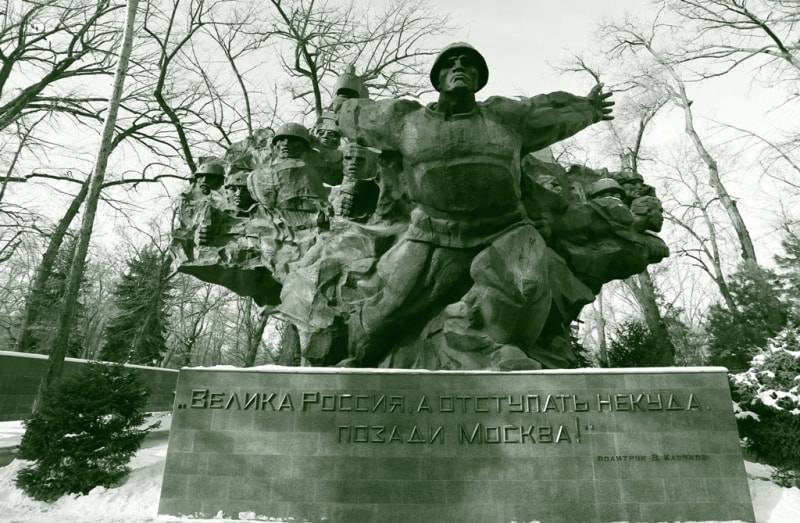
point(236, 185)
point(327, 131)
point(209, 176)
point(606, 187)
point(459, 49)
point(349, 84)
point(291, 140)
point(631, 181)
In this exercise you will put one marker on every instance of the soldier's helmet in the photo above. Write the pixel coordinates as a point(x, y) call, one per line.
point(292, 129)
point(626, 175)
point(350, 85)
point(327, 122)
point(209, 168)
point(460, 48)
point(235, 179)
point(606, 187)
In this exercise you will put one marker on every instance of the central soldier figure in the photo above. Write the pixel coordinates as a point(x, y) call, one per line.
point(470, 248)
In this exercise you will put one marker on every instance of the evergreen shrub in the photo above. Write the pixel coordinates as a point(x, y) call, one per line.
point(737, 336)
point(767, 405)
point(84, 434)
point(635, 346)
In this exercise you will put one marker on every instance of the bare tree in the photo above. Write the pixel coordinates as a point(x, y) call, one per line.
point(762, 34)
point(691, 208)
point(240, 37)
point(194, 304)
point(600, 325)
point(384, 45)
point(46, 43)
point(255, 332)
point(162, 29)
point(633, 120)
point(631, 43)
point(729, 33)
point(58, 342)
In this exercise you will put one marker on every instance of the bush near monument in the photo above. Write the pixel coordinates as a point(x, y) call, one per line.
point(84, 434)
point(635, 346)
point(736, 335)
point(767, 404)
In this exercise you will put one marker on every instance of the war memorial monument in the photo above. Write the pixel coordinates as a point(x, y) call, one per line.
point(432, 265)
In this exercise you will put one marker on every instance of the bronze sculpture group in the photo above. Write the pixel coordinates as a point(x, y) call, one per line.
point(410, 236)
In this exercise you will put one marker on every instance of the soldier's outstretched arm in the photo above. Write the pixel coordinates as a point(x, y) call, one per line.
point(549, 118)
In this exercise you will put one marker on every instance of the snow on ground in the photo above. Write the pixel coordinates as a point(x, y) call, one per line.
point(136, 500)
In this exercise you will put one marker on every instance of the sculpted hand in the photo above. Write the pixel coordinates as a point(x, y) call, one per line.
point(656, 247)
point(600, 103)
point(345, 204)
point(203, 235)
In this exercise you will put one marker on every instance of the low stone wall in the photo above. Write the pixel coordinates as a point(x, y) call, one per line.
point(347, 445)
point(20, 374)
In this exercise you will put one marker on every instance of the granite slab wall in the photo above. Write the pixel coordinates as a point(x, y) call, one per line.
point(343, 446)
point(20, 374)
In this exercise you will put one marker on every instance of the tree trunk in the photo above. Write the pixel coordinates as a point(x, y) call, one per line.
point(682, 100)
point(58, 341)
point(254, 340)
point(716, 261)
point(643, 290)
point(600, 324)
point(45, 268)
point(289, 346)
point(728, 203)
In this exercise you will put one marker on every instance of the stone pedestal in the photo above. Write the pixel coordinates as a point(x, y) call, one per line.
point(344, 446)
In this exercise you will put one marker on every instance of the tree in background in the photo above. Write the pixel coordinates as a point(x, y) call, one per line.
point(760, 313)
point(45, 305)
point(46, 44)
point(136, 333)
point(729, 33)
point(634, 345)
point(767, 303)
point(767, 406)
point(789, 265)
point(57, 342)
point(659, 69)
point(382, 41)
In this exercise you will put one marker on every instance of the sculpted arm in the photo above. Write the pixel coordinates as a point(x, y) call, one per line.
point(550, 118)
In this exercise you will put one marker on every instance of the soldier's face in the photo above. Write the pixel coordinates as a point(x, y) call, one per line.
point(240, 196)
point(354, 164)
point(633, 187)
point(329, 137)
point(208, 183)
point(290, 147)
point(459, 73)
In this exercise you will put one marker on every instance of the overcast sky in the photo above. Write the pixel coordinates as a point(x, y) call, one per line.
point(521, 38)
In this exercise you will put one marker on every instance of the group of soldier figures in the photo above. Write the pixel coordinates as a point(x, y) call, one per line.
point(401, 235)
